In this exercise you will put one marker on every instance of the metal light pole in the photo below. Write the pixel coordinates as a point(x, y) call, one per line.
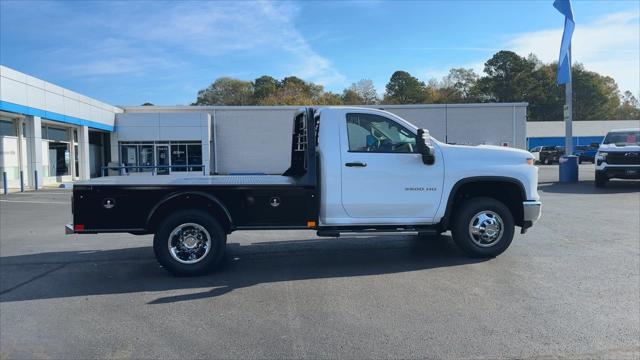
point(568, 162)
point(568, 113)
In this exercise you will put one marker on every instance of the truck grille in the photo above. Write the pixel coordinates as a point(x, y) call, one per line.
point(623, 158)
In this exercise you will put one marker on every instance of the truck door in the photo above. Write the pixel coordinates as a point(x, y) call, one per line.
point(382, 174)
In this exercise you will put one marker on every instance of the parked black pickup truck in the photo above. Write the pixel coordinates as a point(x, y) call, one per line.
point(551, 154)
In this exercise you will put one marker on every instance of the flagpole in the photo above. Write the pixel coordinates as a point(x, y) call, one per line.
point(568, 126)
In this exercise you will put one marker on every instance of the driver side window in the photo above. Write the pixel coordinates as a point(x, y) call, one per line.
point(375, 133)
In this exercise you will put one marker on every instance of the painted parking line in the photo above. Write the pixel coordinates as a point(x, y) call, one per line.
point(35, 202)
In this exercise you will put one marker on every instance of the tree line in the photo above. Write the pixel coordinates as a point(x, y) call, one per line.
point(507, 77)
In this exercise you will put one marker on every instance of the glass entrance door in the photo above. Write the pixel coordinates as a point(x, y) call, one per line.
point(162, 157)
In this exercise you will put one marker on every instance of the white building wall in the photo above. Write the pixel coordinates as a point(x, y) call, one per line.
point(17, 88)
point(35, 101)
point(165, 126)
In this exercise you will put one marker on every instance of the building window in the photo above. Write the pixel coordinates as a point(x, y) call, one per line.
point(55, 133)
point(129, 157)
point(180, 156)
point(58, 158)
point(146, 157)
point(194, 157)
point(8, 128)
point(59, 148)
point(76, 159)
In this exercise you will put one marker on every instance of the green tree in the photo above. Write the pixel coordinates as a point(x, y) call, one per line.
point(434, 93)
point(263, 87)
point(458, 85)
point(351, 97)
point(295, 91)
point(226, 91)
point(329, 98)
point(308, 89)
point(508, 77)
point(545, 97)
point(404, 89)
point(147, 104)
point(595, 97)
point(629, 108)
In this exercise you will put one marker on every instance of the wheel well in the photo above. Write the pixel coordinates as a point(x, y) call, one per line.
point(190, 201)
point(510, 193)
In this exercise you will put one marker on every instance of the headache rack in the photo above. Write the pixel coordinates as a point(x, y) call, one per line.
point(304, 142)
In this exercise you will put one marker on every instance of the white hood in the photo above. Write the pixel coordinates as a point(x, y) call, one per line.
point(616, 148)
point(485, 153)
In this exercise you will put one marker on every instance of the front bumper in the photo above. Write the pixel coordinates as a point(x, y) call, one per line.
point(620, 172)
point(532, 210)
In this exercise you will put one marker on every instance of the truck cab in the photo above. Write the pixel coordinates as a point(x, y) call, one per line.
point(353, 170)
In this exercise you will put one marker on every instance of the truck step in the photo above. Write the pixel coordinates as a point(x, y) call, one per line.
point(377, 232)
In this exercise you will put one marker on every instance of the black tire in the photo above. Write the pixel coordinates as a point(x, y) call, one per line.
point(601, 180)
point(464, 215)
point(579, 161)
point(208, 262)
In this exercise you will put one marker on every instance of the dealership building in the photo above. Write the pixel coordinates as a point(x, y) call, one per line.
point(51, 135)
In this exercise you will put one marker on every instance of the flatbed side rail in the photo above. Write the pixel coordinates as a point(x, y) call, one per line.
point(125, 170)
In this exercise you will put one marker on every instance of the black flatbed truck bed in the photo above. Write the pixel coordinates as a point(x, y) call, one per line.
point(138, 203)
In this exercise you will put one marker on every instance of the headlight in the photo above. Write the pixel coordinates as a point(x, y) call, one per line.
point(602, 155)
point(530, 161)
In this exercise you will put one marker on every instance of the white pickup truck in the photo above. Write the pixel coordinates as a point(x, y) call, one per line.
point(353, 170)
point(618, 156)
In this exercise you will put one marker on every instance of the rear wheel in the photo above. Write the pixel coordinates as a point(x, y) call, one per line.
point(189, 243)
point(601, 180)
point(483, 227)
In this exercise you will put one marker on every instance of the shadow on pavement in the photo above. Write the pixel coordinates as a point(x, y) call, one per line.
point(588, 187)
point(134, 270)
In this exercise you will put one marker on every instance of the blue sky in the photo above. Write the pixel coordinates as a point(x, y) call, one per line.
point(127, 53)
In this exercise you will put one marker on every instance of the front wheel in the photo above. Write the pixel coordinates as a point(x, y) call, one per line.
point(189, 243)
point(483, 227)
point(601, 180)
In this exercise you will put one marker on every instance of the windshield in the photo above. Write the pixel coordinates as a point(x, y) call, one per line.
point(623, 138)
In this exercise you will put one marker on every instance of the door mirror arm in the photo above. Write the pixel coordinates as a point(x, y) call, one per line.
point(423, 144)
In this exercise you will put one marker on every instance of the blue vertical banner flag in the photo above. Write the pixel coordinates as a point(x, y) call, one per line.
point(564, 61)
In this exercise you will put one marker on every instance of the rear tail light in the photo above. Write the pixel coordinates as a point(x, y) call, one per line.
point(78, 227)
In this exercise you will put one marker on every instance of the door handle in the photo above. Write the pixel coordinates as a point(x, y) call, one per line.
point(355, 164)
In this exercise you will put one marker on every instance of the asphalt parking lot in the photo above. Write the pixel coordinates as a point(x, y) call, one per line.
point(569, 288)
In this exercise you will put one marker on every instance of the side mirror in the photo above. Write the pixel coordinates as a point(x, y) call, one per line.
point(423, 144)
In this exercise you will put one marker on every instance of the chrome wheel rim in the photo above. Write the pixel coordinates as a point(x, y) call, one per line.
point(189, 243)
point(486, 228)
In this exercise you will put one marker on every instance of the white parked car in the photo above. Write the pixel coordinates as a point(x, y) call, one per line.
point(536, 153)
